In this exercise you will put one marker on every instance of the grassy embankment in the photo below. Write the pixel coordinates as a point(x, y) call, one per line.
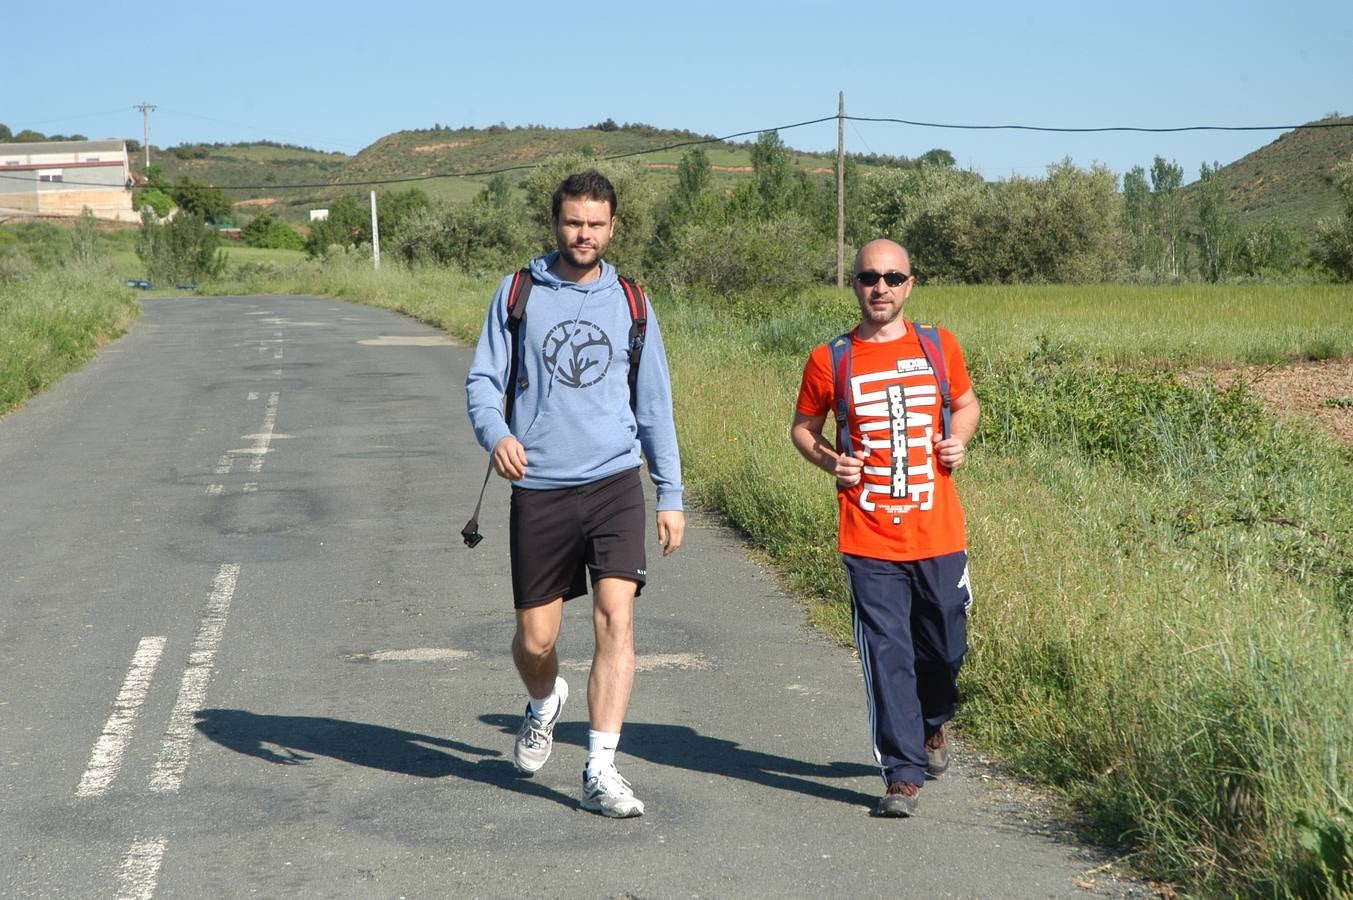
point(1163, 574)
point(52, 324)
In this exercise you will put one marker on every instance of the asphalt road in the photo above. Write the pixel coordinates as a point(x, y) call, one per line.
point(244, 654)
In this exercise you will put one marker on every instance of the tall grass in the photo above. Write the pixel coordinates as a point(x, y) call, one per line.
point(1161, 572)
point(52, 323)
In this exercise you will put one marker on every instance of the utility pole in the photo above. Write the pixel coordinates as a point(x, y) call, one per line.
point(841, 190)
point(146, 109)
point(375, 234)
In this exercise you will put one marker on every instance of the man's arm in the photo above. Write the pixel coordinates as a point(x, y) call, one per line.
point(806, 433)
point(484, 389)
point(964, 414)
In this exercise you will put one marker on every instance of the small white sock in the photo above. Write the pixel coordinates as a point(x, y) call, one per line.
point(544, 709)
point(601, 750)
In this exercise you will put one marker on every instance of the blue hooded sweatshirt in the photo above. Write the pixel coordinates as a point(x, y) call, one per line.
point(573, 417)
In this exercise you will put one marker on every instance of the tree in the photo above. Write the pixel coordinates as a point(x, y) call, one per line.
point(771, 184)
point(1168, 204)
point(1143, 247)
point(84, 238)
point(266, 230)
point(1334, 237)
point(939, 158)
point(5, 133)
point(1216, 224)
point(202, 199)
point(348, 225)
point(693, 176)
point(155, 199)
point(392, 210)
point(1271, 248)
point(184, 249)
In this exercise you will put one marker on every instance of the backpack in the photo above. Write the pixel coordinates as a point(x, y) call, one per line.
point(929, 337)
point(517, 295)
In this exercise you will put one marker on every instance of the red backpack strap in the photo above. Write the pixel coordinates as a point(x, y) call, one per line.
point(638, 306)
point(931, 346)
point(517, 295)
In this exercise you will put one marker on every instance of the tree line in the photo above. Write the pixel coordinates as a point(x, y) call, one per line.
point(773, 234)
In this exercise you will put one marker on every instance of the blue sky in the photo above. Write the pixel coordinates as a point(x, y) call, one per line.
point(340, 75)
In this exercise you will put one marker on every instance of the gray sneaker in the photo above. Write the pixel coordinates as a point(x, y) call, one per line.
point(611, 795)
point(535, 739)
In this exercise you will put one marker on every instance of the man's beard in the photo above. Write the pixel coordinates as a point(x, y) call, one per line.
point(883, 317)
point(571, 257)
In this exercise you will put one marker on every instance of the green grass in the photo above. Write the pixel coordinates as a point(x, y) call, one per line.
point(52, 323)
point(1156, 326)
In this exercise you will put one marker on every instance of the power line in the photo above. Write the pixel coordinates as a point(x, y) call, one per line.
point(1307, 126)
point(405, 179)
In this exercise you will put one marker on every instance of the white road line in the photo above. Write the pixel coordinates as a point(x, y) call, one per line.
point(214, 490)
point(140, 870)
point(264, 437)
point(253, 395)
point(106, 759)
point(173, 759)
point(224, 464)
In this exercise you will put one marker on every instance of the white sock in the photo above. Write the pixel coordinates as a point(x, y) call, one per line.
point(545, 708)
point(601, 751)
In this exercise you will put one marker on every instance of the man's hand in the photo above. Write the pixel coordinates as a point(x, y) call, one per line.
point(850, 468)
point(671, 529)
point(509, 458)
point(951, 451)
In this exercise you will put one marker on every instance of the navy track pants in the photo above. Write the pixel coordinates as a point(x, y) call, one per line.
point(911, 628)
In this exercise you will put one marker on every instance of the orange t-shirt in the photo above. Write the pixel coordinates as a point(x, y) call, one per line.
point(893, 513)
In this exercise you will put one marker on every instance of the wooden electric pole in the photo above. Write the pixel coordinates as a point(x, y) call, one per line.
point(146, 109)
point(841, 190)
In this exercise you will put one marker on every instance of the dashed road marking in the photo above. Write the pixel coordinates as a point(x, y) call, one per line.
point(140, 870)
point(415, 654)
point(395, 340)
point(106, 759)
point(173, 759)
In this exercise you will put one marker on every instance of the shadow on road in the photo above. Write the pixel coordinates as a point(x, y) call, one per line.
point(294, 740)
point(683, 747)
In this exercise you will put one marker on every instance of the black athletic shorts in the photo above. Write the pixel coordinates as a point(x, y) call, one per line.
point(558, 536)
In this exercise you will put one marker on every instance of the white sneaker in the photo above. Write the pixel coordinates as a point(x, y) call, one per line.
point(535, 739)
point(611, 795)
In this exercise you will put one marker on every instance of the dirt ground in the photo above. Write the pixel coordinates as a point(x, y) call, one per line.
point(1319, 390)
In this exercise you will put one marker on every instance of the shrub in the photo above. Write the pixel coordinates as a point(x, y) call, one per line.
point(184, 249)
point(270, 232)
point(154, 198)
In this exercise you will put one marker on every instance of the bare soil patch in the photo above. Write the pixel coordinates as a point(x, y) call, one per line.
point(433, 148)
point(1322, 391)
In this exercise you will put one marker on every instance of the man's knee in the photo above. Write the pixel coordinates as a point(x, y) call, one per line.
point(613, 610)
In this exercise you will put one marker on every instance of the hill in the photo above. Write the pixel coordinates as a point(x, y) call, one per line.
point(418, 153)
point(1290, 179)
point(261, 164)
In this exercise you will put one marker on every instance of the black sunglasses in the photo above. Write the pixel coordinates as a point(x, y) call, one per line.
point(892, 279)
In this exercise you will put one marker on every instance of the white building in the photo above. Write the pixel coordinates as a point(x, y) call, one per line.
point(60, 178)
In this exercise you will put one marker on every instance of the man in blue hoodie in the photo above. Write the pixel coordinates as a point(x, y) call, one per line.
point(572, 453)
